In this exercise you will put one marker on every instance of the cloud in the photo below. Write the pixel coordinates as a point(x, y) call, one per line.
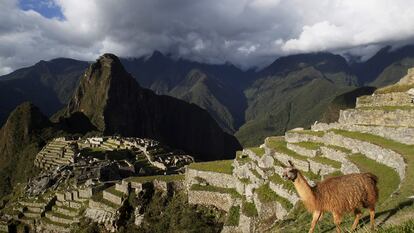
point(244, 32)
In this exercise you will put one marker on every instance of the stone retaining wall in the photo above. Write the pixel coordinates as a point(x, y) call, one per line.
point(399, 134)
point(223, 201)
point(389, 99)
point(377, 153)
point(288, 195)
point(270, 209)
point(212, 178)
point(398, 117)
point(302, 151)
point(112, 197)
point(346, 166)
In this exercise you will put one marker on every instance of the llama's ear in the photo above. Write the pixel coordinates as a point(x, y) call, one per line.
point(291, 164)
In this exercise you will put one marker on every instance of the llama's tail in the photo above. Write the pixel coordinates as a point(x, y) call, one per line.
point(374, 180)
point(373, 177)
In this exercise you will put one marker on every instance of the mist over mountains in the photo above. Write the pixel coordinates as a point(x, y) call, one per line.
point(293, 91)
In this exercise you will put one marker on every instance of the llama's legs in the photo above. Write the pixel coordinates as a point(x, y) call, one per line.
point(372, 218)
point(357, 217)
point(315, 218)
point(337, 220)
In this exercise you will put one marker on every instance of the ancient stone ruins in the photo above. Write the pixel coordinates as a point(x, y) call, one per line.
point(91, 178)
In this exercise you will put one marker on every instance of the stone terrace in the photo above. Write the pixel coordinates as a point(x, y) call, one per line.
point(365, 139)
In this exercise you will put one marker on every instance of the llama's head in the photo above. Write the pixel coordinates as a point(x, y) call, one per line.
point(290, 172)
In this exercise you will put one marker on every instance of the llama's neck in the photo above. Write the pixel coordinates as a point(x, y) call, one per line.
point(305, 192)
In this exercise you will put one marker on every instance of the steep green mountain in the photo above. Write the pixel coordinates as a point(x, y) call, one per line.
point(48, 85)
point(115, 104)
point(22, 136)
point(386, 67)
point(344, 101)
point(216, 88)
point(293, 92)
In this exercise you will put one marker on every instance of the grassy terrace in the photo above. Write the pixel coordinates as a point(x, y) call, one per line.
point(249, 209)
point(309, 145)
point(257, 150)
point(407, 151)
point(166, 178)
point(339, 148)
point(265, 195)
point(210, 188)
point(287, 184)
point(233, 216)
point(394, 88)
point(99, 198)
point(242, 159)
point(388, 179)
point(61, 215)
point(48, 221)
point(388, 108)
point(220, 166)
point(115, 192)
point(281, 146)
point(310, 132)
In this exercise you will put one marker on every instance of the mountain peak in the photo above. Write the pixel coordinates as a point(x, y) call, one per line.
point(115, 104)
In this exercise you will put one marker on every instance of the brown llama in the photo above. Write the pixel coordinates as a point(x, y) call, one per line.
point(338, 195)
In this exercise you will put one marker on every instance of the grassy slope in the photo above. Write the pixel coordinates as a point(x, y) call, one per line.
point(278, 103)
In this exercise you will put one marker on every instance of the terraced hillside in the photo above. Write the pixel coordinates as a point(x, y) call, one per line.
point(377, 136)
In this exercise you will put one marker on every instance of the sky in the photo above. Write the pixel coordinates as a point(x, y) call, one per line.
point(246, 33)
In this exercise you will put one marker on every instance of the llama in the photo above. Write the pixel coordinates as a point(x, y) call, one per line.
point(338, 195)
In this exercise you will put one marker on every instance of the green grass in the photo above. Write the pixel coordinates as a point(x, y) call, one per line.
point(309, 145)
point(249, 209)
point(280, 146)
point(48, 221)
point(220, 166)
point(112, 190)
point(388, 179)
point(166, 178)
point(258, 151)
point(256, 173)
point(324, 160)
point(407, 151)
point(245, 180)
point(61, 215)
point(210, 188)
point(406, 227)
point(310, 132)
point(287, 184)
point(339, 148)
point(388, 108)
point(266, 195)
point(233, 216)
point(242, 159)
point(394, 88)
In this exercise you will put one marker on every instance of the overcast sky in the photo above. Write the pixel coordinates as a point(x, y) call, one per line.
point(244, 32)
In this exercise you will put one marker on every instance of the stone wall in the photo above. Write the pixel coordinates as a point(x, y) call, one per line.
point(399, 134)
point(382, 117)
point(212, 178)
point(377, 153)
point(389, 99)
point(279, 190)
point(223, 201)
point(302, 151)
point(112, 197)
point(269, 210)
point(346, 166)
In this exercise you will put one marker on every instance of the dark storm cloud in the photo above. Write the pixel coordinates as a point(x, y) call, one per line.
point(244, 32)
